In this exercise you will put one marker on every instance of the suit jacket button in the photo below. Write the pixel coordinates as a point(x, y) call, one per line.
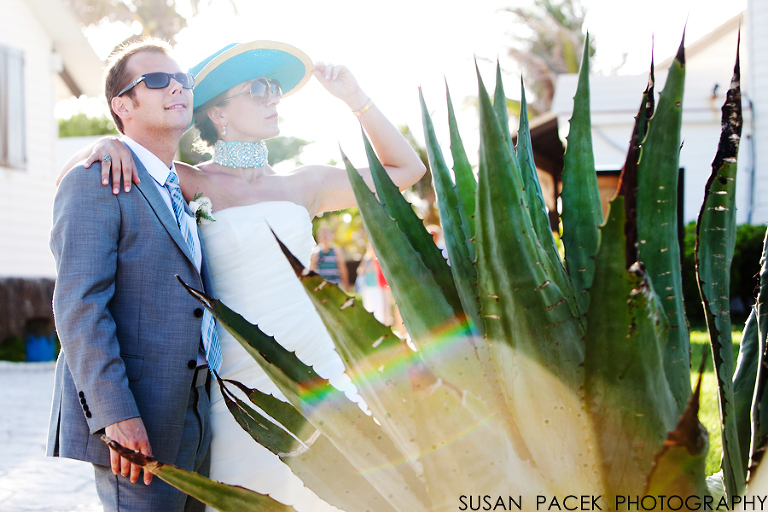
point(82, 401)
point(85, 408)
point(81, 394)
point(198, 313)
point(88, 414)
point(192, 364)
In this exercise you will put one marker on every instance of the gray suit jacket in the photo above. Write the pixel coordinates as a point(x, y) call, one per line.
point(129, 331)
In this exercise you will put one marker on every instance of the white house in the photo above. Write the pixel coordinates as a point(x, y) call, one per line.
point(43, 57)
point(757, 89)
point(709, 64)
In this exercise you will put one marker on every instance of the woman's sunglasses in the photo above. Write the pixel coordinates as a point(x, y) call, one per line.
point(260, 90)
point(160, 80)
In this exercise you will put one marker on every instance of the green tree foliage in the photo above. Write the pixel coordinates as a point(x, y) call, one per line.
point(285, 148)
point(81, 125)
point(546, 42)
point(157, 19)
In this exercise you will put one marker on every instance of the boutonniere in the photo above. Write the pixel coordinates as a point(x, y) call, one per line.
point(202, 207)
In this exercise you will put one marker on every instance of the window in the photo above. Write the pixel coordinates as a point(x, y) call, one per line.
point(12, 127)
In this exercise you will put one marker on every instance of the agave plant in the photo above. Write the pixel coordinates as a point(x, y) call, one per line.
point(526, 377)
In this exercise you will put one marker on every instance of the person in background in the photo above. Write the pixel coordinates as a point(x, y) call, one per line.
point(328, 259)
point(367, 285)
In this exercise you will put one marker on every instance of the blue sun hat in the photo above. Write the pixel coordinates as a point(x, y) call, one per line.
point(238, 63)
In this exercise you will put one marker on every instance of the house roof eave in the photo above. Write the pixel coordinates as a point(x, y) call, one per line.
point(80, 69)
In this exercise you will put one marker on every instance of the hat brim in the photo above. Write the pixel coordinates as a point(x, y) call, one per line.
point(239, 63)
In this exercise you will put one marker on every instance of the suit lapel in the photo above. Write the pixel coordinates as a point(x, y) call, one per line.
point(149, 190)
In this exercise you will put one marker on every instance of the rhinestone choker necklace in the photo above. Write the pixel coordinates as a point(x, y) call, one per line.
point(240, 154)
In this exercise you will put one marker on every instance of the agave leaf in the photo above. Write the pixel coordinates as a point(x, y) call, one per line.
point(384, 369)
point(222, 497)
point(282, 366)
point(744, 380)
point(356, 332)
point(628, 180)
point(413, 229)
point(524, 309)
point(657, 223)
point(538, 209)
point(421, 300)
point(461, 252)
point(429, 318)
point(261, 429)
point(518, 293)
point(678, 469)
point(356, 435)
point(456, 433)
point(758, 474)
point(377, 360)
point(315, 459)
point(760, 399)
point(582, 213)
point(500, 107)
point(628, 399)
point(454, 232)
point(466, 184)
point(461, 440)
point(715, 242)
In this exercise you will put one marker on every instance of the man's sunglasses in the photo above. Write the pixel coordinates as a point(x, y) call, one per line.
point(160, 80)
point(260, 90)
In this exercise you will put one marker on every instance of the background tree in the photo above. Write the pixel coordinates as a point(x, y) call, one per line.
point(81, 124)
point(547, 42)
point(160, 19)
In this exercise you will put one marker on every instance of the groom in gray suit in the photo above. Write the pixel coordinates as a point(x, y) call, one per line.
point(131, 364)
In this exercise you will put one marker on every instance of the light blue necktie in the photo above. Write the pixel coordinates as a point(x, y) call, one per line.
point(210, 338)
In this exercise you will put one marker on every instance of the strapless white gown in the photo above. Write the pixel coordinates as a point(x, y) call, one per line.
point(251, 276)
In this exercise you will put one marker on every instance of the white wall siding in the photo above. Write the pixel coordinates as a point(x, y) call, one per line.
point(26, 195)
point(757, 20)
point(615, 100)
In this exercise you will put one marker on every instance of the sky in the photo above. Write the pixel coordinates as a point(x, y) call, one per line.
point(393, 48)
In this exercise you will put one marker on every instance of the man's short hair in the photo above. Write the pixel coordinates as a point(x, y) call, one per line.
point(116, 76)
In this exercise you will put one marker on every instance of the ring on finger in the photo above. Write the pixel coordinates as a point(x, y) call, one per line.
point(105, 158)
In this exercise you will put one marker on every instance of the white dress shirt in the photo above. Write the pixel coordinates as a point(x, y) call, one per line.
point(159, 172)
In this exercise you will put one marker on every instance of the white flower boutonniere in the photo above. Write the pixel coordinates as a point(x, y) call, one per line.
point(202, 207)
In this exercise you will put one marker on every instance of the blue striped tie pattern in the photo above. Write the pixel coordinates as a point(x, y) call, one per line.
point(210, 338)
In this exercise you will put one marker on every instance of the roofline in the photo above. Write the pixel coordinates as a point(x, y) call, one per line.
point(82, 68)
point(705, 41)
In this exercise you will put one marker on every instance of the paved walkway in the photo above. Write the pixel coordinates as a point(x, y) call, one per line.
point(30, 481)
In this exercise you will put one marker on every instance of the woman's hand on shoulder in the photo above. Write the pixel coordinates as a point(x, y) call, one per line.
point(339, 81)
point(116, 159)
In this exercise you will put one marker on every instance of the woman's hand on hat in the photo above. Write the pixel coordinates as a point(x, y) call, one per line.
point(340, 82)
point(116, 159)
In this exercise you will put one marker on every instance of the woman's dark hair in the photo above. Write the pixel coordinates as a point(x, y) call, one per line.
point(208, 132)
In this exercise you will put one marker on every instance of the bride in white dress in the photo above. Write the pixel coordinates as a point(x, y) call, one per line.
point(236, 99)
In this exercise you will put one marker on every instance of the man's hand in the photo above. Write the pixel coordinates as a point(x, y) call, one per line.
point(131, 434)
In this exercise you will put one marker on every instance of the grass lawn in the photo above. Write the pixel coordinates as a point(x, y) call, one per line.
point(708, 412)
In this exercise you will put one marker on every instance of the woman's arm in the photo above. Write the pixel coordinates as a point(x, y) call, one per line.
point(313, 261)
point(119, 162)
point(330, 188)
